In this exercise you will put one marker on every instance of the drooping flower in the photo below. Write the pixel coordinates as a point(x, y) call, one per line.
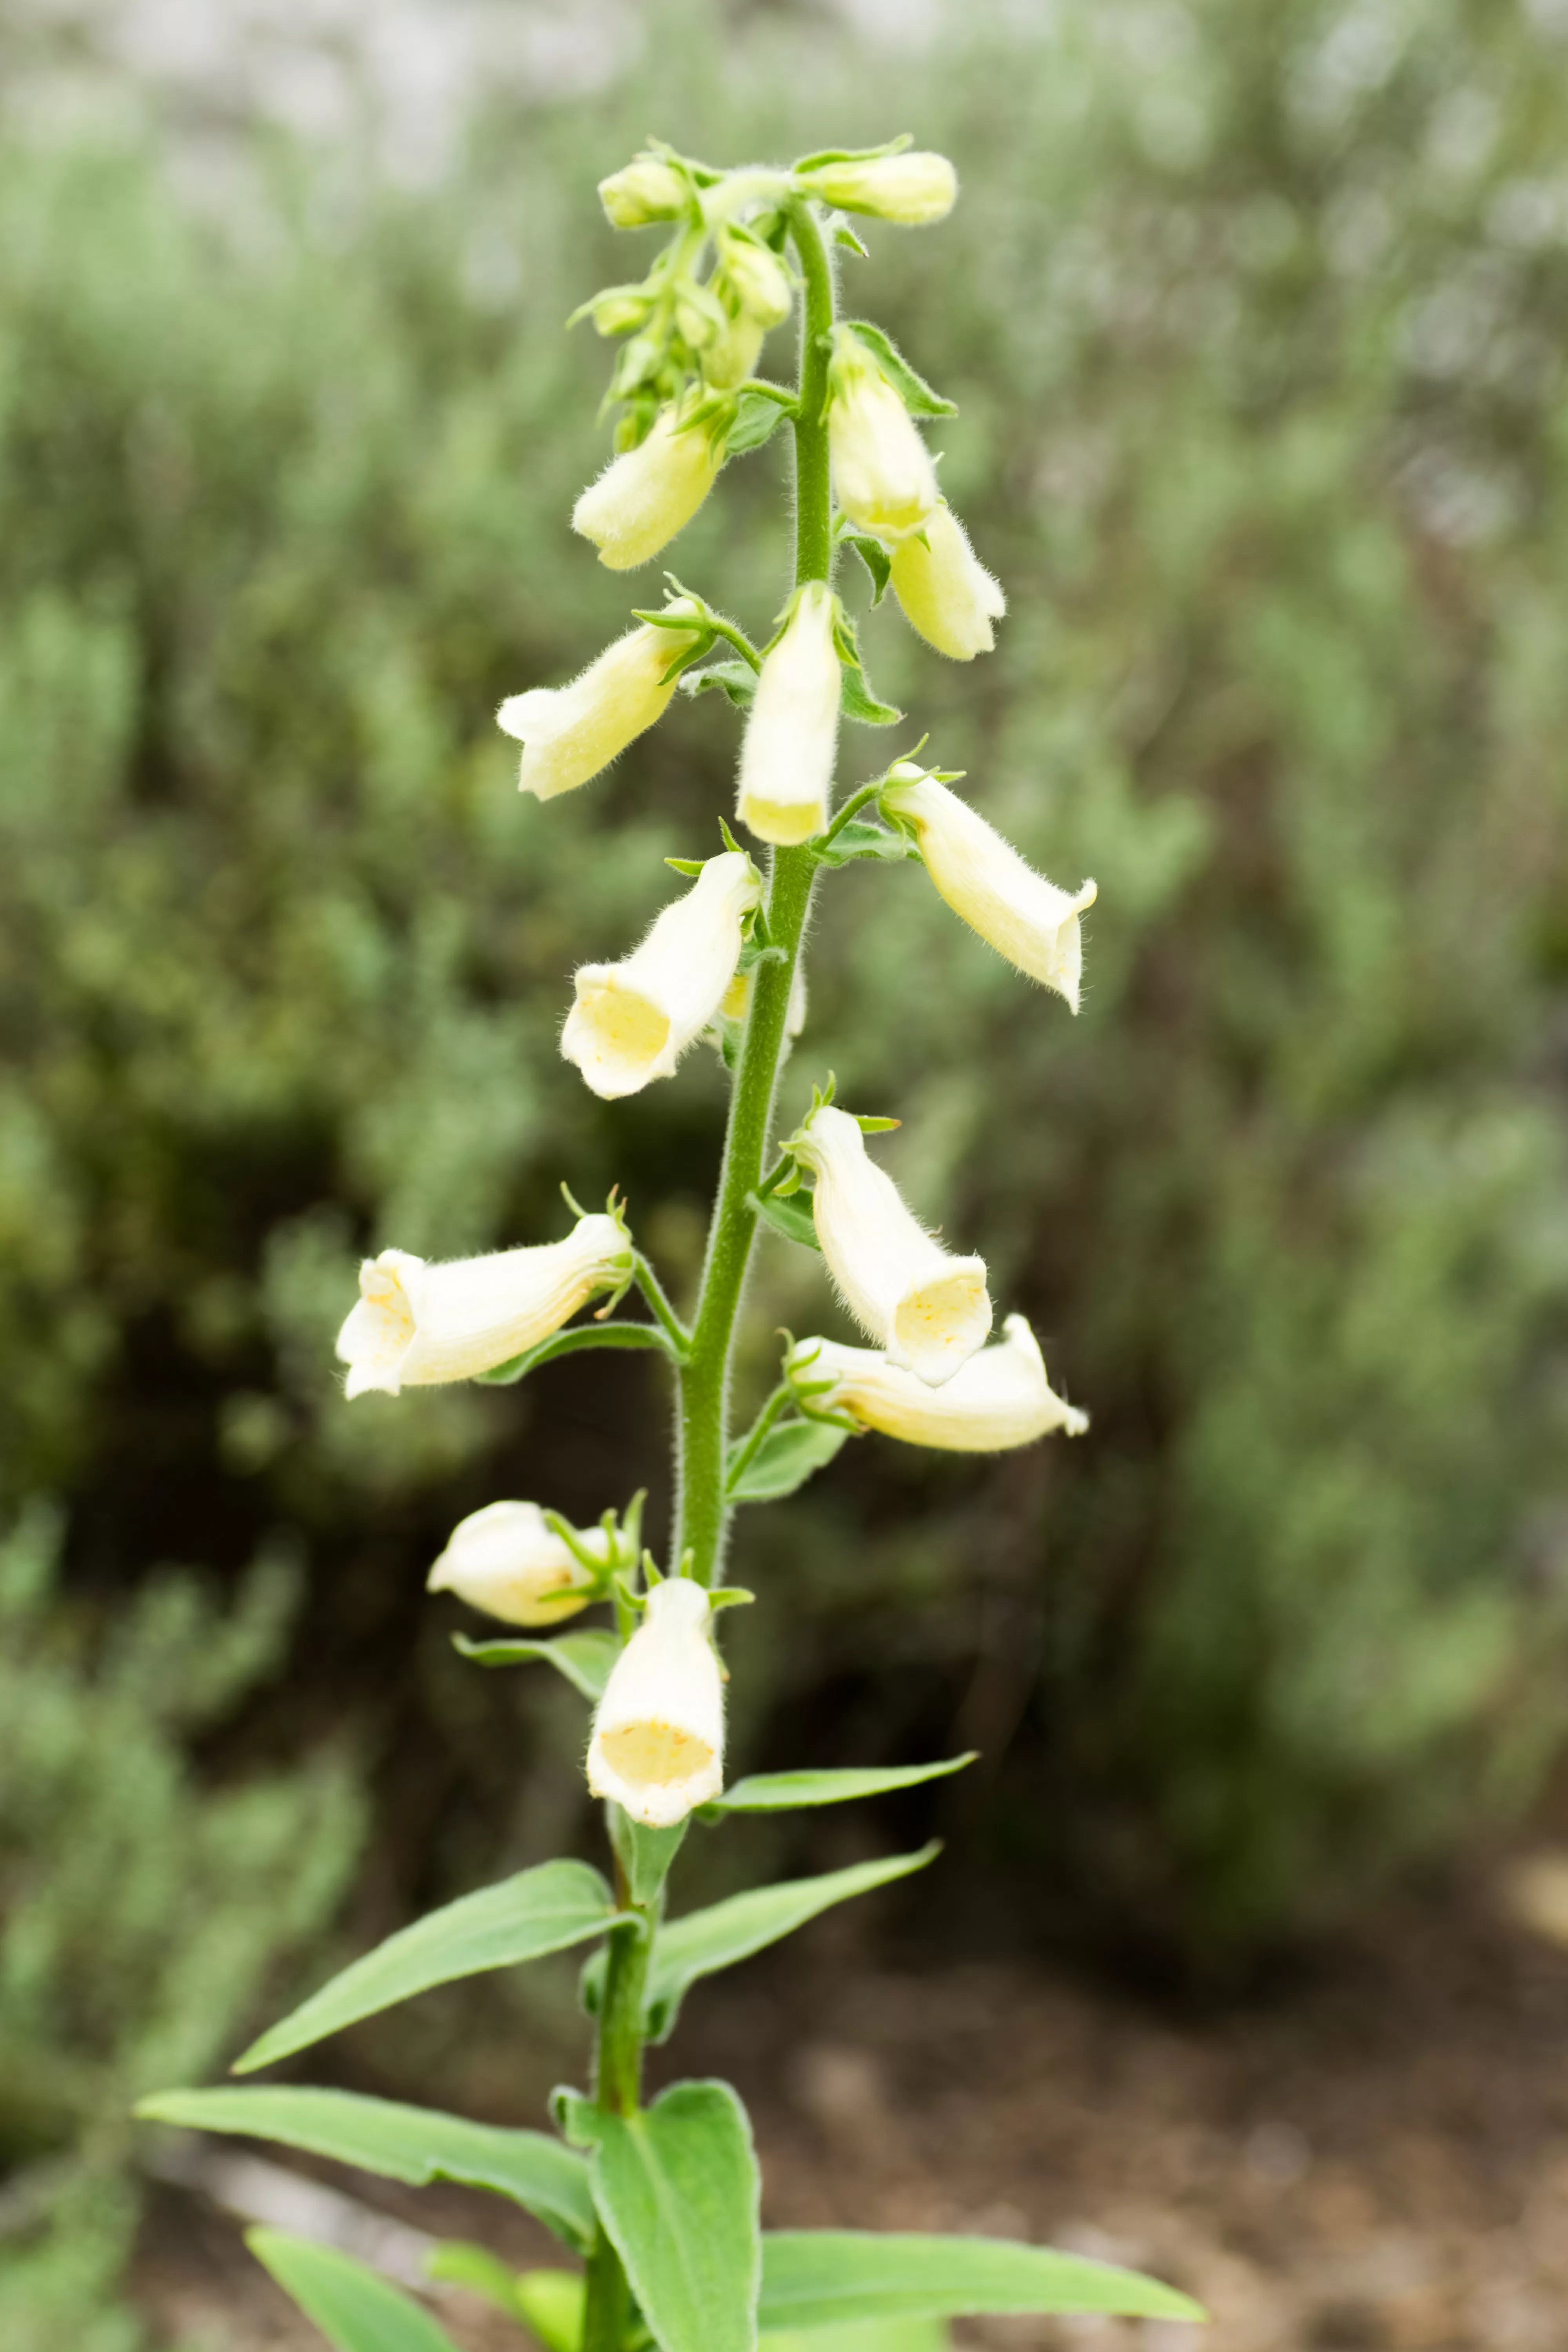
point(913, 188)
point(883, 476)
point(929, 1311)
point(1000, 1399)
point(657, 1745)
point(648, 494)
point(943, 589)
point(507, 1561)
point(1015, 910)
point(569, 732)
point(633, 1019)
point(416, 1323)
point(643, 191)
point(792, 731)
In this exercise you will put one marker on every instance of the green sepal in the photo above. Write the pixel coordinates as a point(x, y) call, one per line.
point(757, 418)
point(853, 154)
point(858, 839)
point(789, 1216)
point(689, 867)
point(875, 559)
point(917, 396)
point(788, 1792)
point(845, 236)
point(730, 1596)
point(585, 1658)
point(645, 1854)
point(791, 1453)
point(355, 2308)
point(870, 1123)
point(734, 679)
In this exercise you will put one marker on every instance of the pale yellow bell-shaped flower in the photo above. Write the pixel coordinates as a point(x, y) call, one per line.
point(644, 191)
point(883, 475)
point(913, 188)
point(943, 589)
point(733, 353)
point(1015, 910)
point(569, 732)
point(657, 1745)
point(506, 1561)
point(756, 275)
point(416, 1323)
point(648, 494)
point(927, 1310)
point(792, 730)
point(1000, 1399)
point(633, 1019)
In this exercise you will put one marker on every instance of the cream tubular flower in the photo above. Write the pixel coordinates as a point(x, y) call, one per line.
point(927, 1311)
point(657, 1747)
point(1015, 910)
point(792, 732)
point(1001, 1398)
point(648, 494)
point(945, 591)
point(417, 1323)
point(913, 189)
point(505, 1560)
point(569, 732)
point(883, 476)
point(633, 1019)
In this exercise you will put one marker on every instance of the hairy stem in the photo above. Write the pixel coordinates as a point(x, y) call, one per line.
point(702, 1426)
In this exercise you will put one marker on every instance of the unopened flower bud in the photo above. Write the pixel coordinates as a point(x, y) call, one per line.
point(733, 353)
point(756, 275)
point(569, 732)
point(645, 190)
point(792, 731)
point(944, 589)
point(620, 310)
point(913, 188)
point(507, 1561)
point(633, 1019)
point(1015, 910)
point(1000, 1399)
point(927, 1310)
point(417, 1323)
point(649, 494)
point(657, 1747)
point(883, 476)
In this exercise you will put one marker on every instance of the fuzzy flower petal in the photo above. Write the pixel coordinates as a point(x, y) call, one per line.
point(945, 591)
point(505, 1560)
point(792, 731)
point(883, 476)
point(1000, 1399)
point(633, 1019)
point(648, 494)
point(569, 732)
point(657, 1746)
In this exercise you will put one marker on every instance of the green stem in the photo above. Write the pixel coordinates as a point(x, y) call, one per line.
point(702, 1425)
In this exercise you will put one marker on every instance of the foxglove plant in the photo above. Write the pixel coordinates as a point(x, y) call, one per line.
point(660, 2201)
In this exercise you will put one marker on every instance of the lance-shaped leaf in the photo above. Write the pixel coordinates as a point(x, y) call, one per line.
point(417, 2145)
point(538, 1911)
point(355, 2310)
point(857, 839)
point(913, 390)
point(879, 563)
point(678, 2191)
point(783, 1793)
point(737, 679)
point(814, 2278)
point(790, 1215)
point(787, 1456)
point(705, 1941)
point(585, 1658)
point(758, 416)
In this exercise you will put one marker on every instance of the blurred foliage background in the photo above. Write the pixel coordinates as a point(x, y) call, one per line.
point(1255, 322)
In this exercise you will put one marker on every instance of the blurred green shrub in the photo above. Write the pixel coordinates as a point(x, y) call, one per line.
point(141, 1913)
point(1261, 316)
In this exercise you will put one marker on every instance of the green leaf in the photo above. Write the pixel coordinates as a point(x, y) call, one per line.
point(478, 2272)
point(790, 1217)
point(813, 2278)
point(875, 559)
point(737, 679)
point(856, 700)
point(705, 1941)
point(355, 2310)
point(787, 1456)
point(862, 2336)
point(678, 2191)
point(541, 1910)
point(853, 154)
point(860, 839)
point(585, 1658)
point(417, 2145)
point(757, 419)
point(551, 2303)
point(913, 390)
point(568, 1343)
point(644, 1853)
point(783, 1793)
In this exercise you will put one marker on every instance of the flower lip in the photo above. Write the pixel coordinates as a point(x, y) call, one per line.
point(658, 1744)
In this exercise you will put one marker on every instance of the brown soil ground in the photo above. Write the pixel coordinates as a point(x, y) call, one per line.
point(1378, 2158)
